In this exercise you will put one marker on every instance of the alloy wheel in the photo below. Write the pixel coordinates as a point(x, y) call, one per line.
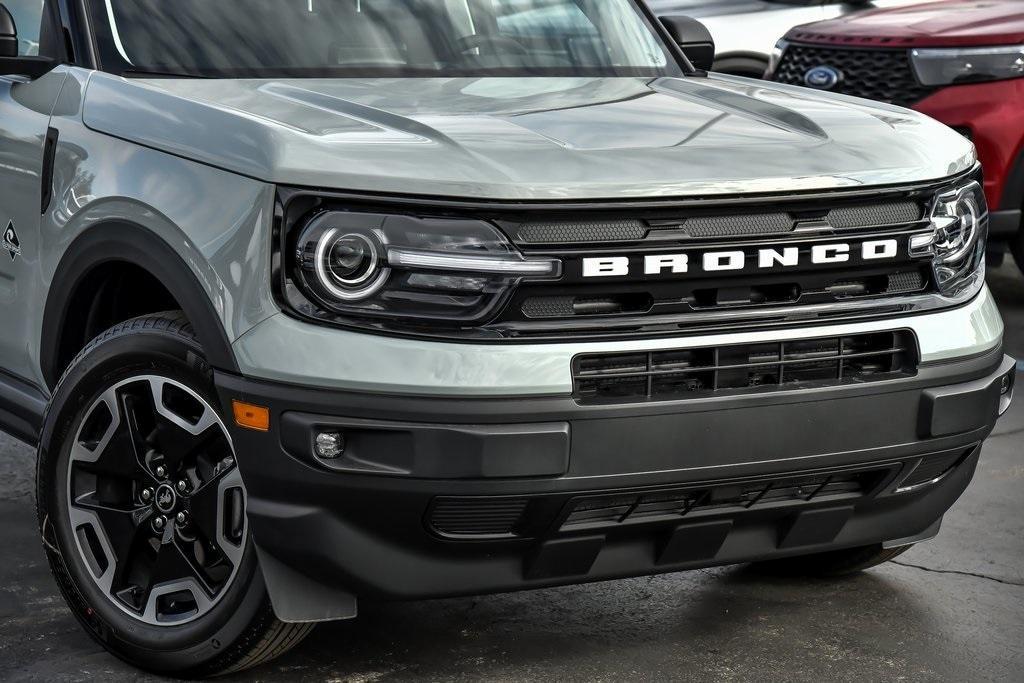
point(156, 501)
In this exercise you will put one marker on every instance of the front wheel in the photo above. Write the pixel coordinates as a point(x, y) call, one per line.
point(142, 508)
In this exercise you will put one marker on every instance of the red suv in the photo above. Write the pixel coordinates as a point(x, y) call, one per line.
point(959, 61)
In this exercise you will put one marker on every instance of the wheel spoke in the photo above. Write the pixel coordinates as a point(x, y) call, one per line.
point(156, 500)
point(177, 446)
point(210, 510)
point(119, 453)
point(172, 573)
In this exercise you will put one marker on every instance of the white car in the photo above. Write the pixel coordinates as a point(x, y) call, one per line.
point(746, 31)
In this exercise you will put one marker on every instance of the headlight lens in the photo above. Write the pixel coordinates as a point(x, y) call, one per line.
point(974, 65)
point(957, 243)
point(395, 267)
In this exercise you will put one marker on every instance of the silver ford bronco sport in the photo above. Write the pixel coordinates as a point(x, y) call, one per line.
point(307, 301)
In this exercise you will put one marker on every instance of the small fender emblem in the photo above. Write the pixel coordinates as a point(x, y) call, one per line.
point(11, 242)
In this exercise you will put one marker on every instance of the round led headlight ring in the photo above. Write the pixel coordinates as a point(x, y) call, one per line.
point(349, 265)
point(958, 236)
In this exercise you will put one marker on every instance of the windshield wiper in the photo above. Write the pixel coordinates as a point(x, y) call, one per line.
point(159, 74)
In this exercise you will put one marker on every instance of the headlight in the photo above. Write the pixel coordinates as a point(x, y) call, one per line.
point(957, 243)
point(974, 65)
point(393, 267)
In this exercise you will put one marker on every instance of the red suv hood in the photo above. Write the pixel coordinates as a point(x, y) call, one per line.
point(954, 23)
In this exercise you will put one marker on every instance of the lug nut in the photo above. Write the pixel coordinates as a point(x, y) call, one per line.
point(181, 518)
point(182, 486)
point(147, 495)
point(159, 523)
point(160, 472)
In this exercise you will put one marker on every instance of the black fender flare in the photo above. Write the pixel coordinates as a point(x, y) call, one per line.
point(137, 245)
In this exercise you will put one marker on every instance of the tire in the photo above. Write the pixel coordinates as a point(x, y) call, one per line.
point(141, 508)
point(831, 564)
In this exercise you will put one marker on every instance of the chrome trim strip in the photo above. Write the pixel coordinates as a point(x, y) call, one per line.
point(510, 265)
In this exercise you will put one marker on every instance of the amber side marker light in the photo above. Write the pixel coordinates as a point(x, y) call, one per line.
point(251, 417)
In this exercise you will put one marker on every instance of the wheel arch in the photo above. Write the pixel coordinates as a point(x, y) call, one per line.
point(130, 245)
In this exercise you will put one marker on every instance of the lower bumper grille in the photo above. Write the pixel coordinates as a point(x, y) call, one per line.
point(603, 511)
point(483, 518)
point(477, 517)
point(689, 373)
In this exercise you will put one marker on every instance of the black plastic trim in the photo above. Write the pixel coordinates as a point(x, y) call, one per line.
point(1013, 187)
point(1005, 224)
point(22, 405)
point(432, 451)
point(369, 535)
point(129, 243)
point(46, 176)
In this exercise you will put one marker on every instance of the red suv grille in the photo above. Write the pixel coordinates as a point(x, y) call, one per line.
point(883, 75)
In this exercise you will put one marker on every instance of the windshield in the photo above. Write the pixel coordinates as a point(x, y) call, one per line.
point(385, 38)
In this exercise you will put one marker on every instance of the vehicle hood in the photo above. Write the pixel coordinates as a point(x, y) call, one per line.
point(956, 23)
point(530, 138)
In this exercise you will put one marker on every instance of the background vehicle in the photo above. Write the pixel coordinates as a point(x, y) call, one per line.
point(311, 302)
point(745, 31)
point(958, 61)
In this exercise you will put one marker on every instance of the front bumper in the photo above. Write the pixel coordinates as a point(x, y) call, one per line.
point(444, 496)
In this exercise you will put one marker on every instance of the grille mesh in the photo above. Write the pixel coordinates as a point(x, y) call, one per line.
point(549, 307)
point(884, 75)
point(895, 213)
point(668, 375)
point(738, 226)
point(906, 282)
point(570, 233)
point(864, 216)
point(477, 516)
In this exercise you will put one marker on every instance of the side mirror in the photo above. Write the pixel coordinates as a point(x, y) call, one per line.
point(8, 34)
point(10, 62)
point(693, 38)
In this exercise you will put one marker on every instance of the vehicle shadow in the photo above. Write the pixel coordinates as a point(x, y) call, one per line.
point(696, 625)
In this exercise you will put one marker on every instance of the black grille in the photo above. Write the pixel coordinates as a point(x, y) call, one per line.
point(575, 232)
point(874, 215)
point(884, 75)
point(602, 511)
point(715, 226)
point(934, 467)
point(906, 282)
point(739, 225)
point(477, 517)
point(667, 375)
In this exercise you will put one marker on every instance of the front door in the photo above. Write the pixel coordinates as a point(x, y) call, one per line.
point(25, 108)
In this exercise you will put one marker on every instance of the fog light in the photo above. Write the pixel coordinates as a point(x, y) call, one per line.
point(1006, 391)
point(330, 445)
